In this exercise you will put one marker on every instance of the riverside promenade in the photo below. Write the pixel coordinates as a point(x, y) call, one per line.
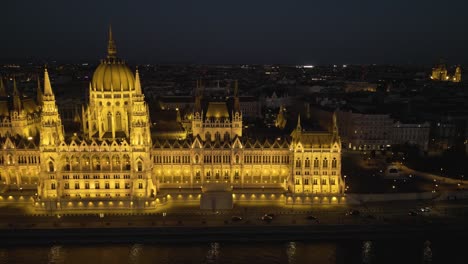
point(187, 223)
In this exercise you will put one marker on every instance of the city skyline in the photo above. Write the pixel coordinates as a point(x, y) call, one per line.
point(255, 33)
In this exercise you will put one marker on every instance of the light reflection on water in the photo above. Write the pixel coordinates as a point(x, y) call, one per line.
point(292, 252)
point(135, 254)
point(56, 255)
point(367, 252)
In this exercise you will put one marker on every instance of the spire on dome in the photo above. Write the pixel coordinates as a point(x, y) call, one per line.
point(47, 85)
point(111, 48)
point(2, 87)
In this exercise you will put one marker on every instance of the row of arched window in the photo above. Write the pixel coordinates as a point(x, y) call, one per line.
point(325, 163)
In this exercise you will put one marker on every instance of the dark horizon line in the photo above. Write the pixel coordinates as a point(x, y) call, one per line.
point(39, 61)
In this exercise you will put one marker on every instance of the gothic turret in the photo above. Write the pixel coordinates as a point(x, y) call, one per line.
point(51, 123)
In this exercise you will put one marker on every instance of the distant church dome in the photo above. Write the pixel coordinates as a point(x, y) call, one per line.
point(113, 74)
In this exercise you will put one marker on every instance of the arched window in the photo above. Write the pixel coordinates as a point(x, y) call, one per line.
point(51, 166)
point(208, 136)
point(325, 163)
point(237, 159)
point(226, 136)
point(316, 163)
point(217, 136)
point(109, 121)
point(334, 163)
point(197, 159)
point(139, 166)
point(298, 163)
point(307, 163)
point(118, 121)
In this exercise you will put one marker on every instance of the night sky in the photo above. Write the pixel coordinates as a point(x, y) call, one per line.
point(235, 31)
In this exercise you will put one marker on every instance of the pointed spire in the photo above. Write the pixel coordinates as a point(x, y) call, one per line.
point(39, 90)
point(299, 127)
point(76, 117)
point(2, 87)
point(111, 48)
point(47, 85)
point(16, 97)
point(335, 123)
point(236, 88)
point(236, 97)
point(137, 82)
point(15, 88)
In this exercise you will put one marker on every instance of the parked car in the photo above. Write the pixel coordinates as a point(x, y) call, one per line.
point(412, 213)
point(312, 218)
point(425, 209)
point(236, 218)
point(270, 215)
point(353, 212)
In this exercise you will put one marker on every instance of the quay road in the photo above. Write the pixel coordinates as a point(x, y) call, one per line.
point(388, 213)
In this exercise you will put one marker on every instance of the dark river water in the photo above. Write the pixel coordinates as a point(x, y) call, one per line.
point(348, 251)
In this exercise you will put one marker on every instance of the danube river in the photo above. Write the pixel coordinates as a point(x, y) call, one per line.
point(346, 251)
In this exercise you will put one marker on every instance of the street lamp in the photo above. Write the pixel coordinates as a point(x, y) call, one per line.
point(344, 184)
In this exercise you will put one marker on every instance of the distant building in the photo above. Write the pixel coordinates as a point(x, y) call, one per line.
point(440, 73)
point(411, 133)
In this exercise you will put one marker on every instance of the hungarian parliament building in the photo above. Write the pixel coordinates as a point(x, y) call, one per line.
point(117, 158)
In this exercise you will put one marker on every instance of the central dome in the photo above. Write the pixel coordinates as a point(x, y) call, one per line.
point(112, 74)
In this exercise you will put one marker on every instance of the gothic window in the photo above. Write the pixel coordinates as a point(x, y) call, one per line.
point(307, 163)
point(118, 121)
point(51, 166)
point(109, 121)
point(325, 163)
point(237, 159)
point(226, 136)
point(316, 163)
point(139, 166)
point(298, 163)
point(217, 136)
point(52, 186)
point(196, 159)
point(324, 182)
point(140, 185)
point(332, 181)
point(236, 175)
point(298, 182)
point(86, 185)
point(334, 163)
point(208, 136)
point(315, 181)
point(306, 181)
point(197, 175)
point(226, 175)
point(217, 175)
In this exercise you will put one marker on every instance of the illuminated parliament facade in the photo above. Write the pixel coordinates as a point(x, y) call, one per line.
point(116, 160)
